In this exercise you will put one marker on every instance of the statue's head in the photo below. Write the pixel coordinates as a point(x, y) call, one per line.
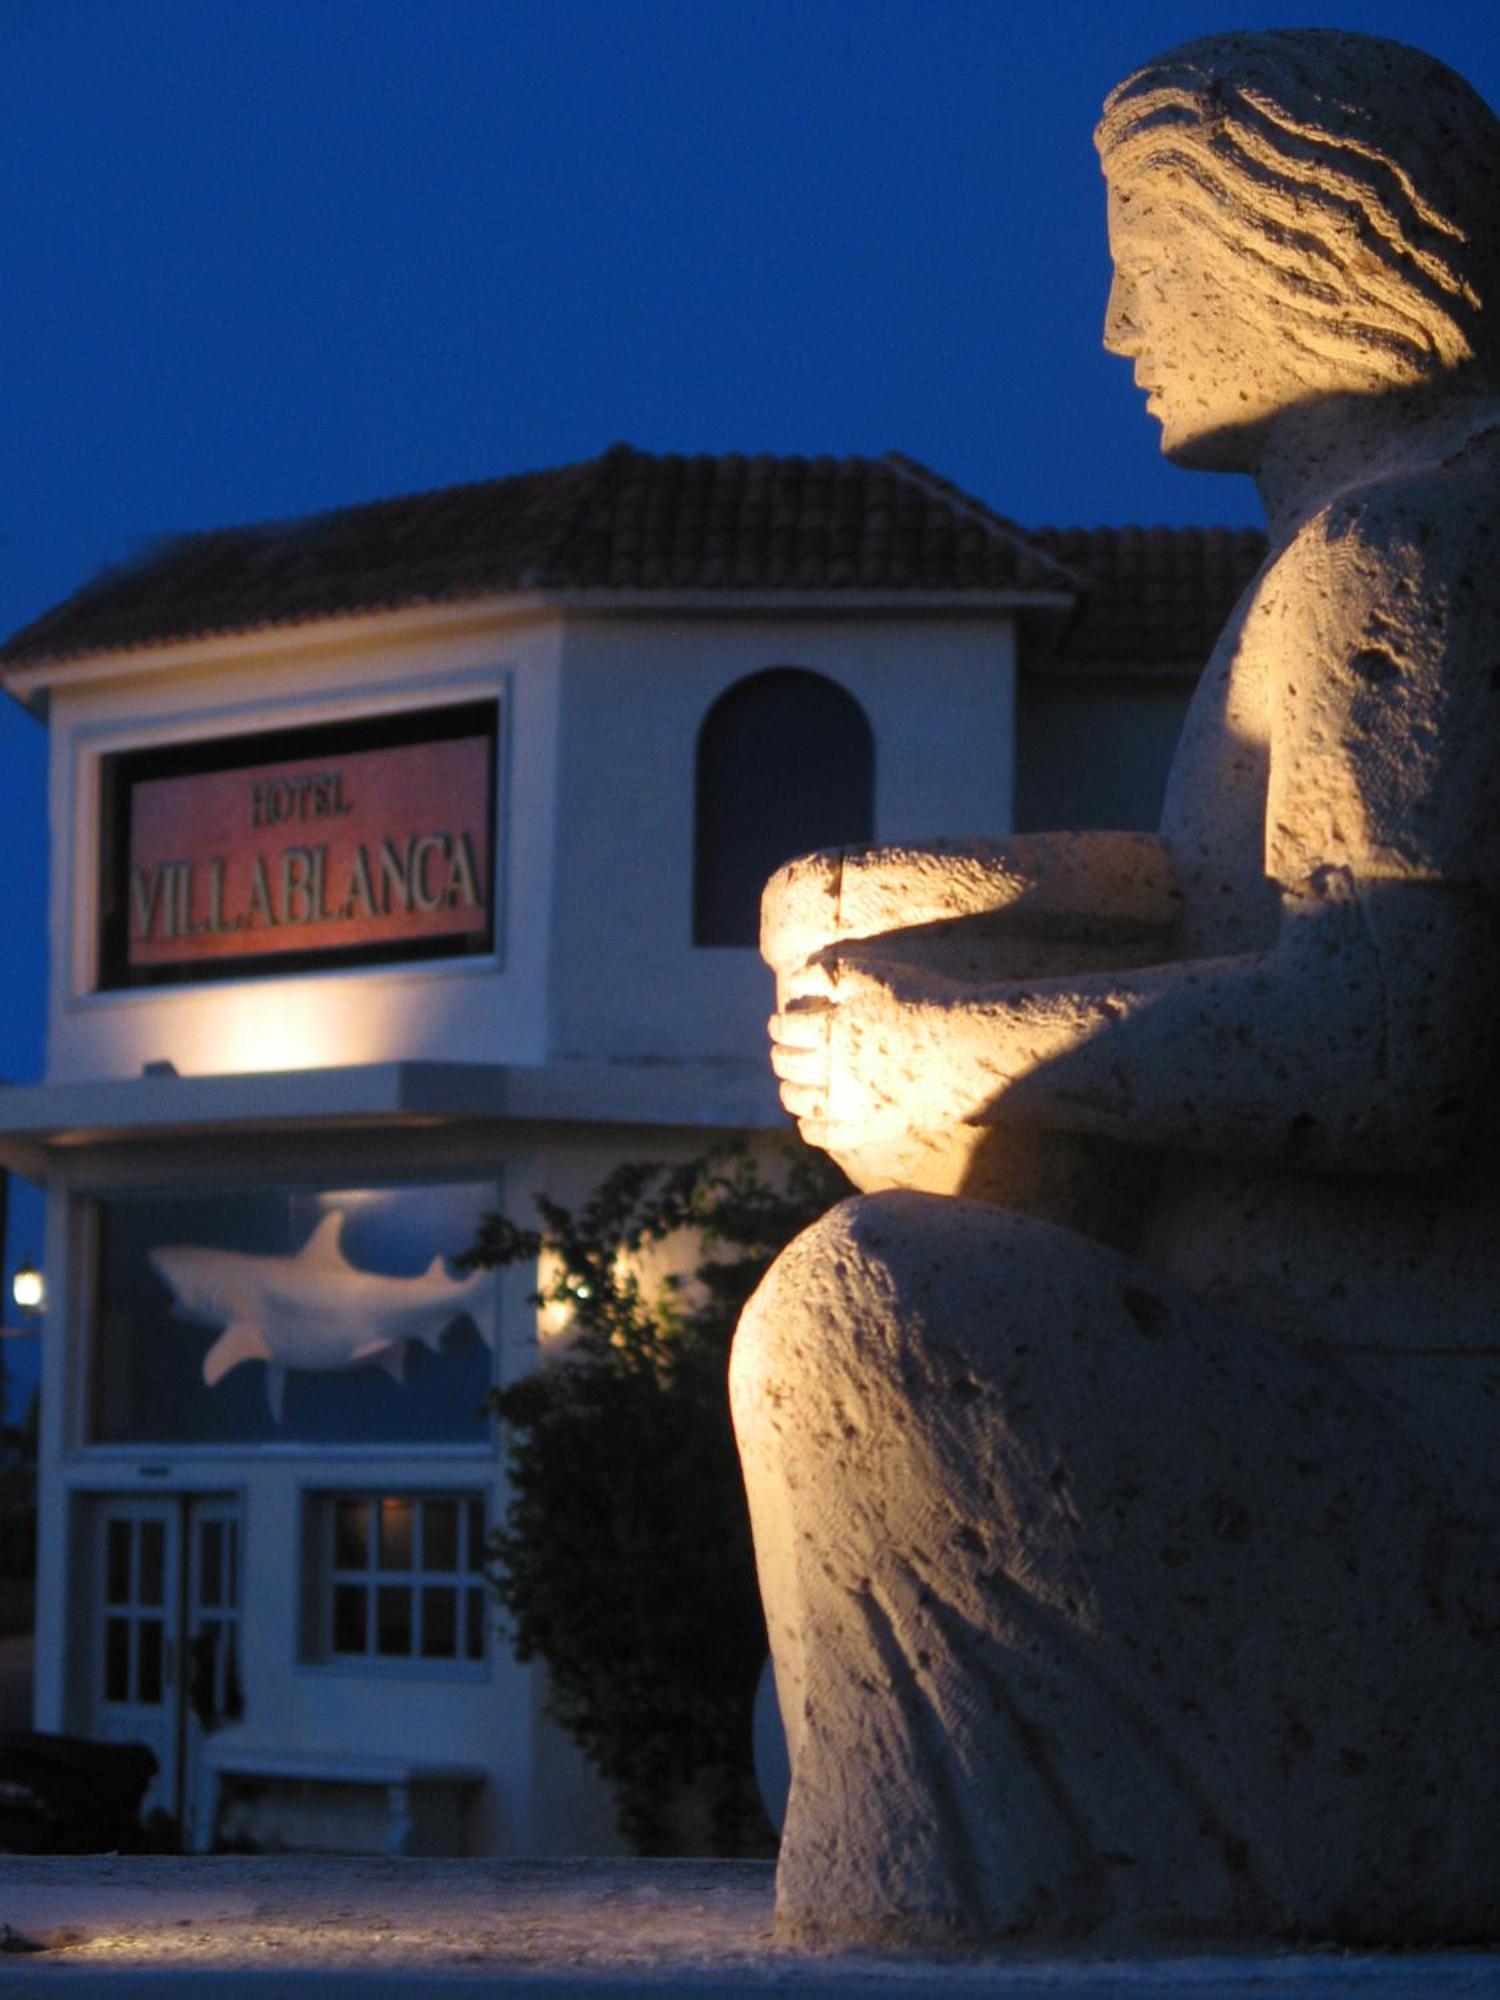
point(1293, 215)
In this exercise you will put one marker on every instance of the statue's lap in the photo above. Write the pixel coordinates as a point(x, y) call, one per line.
point(1109, 1555)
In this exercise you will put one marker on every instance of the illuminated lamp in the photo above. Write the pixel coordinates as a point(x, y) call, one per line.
point(29, 1289)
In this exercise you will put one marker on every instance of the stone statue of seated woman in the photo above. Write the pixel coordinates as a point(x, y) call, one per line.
point(1123, 1461)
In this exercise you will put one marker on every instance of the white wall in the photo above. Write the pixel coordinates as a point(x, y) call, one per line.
point(1094, 750)
point(627, 980)
point(479, 1010)
point(599, 721)
point(541, 1796)
point(599, 725)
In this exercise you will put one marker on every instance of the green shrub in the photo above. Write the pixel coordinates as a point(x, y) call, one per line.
point(624, 1559)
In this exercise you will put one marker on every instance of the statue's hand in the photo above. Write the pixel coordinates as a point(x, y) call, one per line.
point(870, 1047)
point(859, 1045)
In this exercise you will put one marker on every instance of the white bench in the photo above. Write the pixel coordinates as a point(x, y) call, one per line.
point(421, 1812)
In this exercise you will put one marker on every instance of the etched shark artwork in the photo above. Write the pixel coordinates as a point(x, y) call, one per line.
point(316, 1310)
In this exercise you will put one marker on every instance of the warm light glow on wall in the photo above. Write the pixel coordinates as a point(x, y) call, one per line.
point(281, 1026)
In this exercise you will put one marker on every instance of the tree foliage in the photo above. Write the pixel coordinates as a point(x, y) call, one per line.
point(624, 1559)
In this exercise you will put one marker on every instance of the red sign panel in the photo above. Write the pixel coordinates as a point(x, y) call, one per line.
point(370, 849)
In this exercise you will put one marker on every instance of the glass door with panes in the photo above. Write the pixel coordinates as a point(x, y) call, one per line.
point(212, 1694)
point(166, 1631)
point(137, 1628)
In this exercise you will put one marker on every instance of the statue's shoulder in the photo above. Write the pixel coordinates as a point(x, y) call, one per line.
point(1424, 518)
point(1383, 632)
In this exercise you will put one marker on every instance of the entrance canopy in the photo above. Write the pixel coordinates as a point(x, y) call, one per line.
point(37, 1121)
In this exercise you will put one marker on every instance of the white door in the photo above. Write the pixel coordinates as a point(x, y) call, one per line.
point(166, 1653)
point(211, 1673)
point(138, 1635)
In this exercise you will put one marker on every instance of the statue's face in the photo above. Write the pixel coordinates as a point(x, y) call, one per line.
point(1215, 374)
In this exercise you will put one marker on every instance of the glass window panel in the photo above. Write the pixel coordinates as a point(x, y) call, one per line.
point(424, 1600)
point(396, 1534)
point(210, 1562)
point(148, 1660)
point(349, 1635)
point(440, 1534)
point(153, 1547)
point(117, 1658)
point(351, 1534)
point(117, 1563)
point(147, 1362)
point(393, 1620)
point(205, 1665)
point(474, 1625)
point(231, 1565)
point(439, 1622)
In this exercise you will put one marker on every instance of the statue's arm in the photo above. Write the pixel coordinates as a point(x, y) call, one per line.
point(1358, 1039)
point(1362, 1035)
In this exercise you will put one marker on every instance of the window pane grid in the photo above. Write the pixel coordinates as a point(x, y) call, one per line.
point(402, 1578)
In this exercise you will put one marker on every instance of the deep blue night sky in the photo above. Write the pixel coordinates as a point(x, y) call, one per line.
point(266, 256)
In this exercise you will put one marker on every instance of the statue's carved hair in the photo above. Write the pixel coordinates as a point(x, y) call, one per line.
point(1353, 183)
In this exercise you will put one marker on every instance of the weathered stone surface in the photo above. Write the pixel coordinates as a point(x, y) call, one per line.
point(1123, 1463)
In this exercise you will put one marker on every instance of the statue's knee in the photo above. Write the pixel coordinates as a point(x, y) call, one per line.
point(844, 1260)
point(875, 1285)
point(784, 1314)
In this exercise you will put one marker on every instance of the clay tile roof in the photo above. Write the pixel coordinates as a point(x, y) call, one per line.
point(627, 520)
point(1152, 597)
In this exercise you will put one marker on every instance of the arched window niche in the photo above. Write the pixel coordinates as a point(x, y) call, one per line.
point(786, 764)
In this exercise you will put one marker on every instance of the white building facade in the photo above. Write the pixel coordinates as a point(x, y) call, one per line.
point(399, 866)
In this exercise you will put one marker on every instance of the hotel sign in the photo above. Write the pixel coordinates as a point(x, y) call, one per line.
point(346, 845)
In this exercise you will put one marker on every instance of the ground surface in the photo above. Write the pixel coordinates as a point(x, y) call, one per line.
point(278, 1929)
